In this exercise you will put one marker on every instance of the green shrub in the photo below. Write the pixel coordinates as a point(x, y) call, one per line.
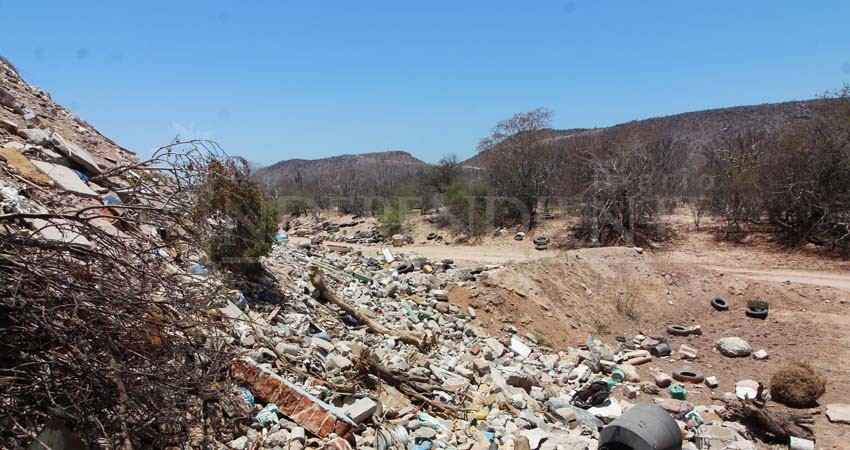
point(391, 215)
point(241, 218)
point(466, 203)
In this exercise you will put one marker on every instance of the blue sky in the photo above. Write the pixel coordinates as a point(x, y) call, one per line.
point(278, 80)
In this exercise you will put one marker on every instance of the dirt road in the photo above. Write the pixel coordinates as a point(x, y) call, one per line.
point(835, 280)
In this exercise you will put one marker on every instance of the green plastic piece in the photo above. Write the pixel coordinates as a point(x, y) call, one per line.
point(677, 391)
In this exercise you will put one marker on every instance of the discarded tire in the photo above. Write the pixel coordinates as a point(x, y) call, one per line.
point(644, 426)
point(541, 240)
point(719, 304)
point(431, 236)
point(678, 330)
point(540, 246)
point(404, 267)
point(756, 313)
point(688, 376)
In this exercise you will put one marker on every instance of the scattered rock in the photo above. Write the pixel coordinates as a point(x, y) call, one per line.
point(838, 412)
point(733, 347)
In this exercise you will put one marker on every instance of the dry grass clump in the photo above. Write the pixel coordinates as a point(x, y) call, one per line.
point(797, 384)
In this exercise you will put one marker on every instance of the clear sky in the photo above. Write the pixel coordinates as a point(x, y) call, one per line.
point(277, 80)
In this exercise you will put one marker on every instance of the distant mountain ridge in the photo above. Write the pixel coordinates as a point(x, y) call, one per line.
point(699, 128)
point(370, 173)
point(341, 175)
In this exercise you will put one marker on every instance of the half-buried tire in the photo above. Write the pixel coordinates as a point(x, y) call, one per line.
point(719, 304)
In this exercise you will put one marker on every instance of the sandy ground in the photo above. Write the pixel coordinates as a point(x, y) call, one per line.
point(563, 296)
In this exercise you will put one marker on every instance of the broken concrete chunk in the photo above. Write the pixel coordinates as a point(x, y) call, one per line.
point(519, 347)
point(712, 382)
point(440, 295)
point(838, 412)
point(35, 136)
point(745, 389)
point(76, 153)
point(687, 352)
point(65, 178)
point(535, 437)
point(662, 380)
point(676, 408)
point(360, 409)
point(760, 355)
point(607, 411)
point(59, 231)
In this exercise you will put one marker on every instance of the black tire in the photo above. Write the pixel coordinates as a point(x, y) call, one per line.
point(404, 267)
point(719, 304)
point(688, 376)
point(431, 236)
point(541, 247)
point(541, 240)
point(677, 330)
point(756, 313)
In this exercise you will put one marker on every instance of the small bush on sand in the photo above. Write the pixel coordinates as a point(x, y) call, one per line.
point(797, 384)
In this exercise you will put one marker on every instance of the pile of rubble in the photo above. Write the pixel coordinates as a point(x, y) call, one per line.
point(310, 365)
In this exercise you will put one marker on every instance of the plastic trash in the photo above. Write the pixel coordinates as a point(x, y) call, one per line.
point(645, 426)
point(694, 415)
point(677, 391)
point(281, 238)
point(249, 397)
point(421, 443)
point(268, 415)
point(111, 199)
point(82, 176)
point(323, 335)
point(430, 421)
point(618, 375)
point(198, 269)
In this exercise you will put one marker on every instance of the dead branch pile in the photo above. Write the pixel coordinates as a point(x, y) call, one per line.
point(101, 329)
point(768, 421)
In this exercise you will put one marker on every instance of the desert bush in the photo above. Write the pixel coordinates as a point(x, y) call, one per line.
point(467, 206)
point(391, 215)
point(242, 216)
point(796, 384)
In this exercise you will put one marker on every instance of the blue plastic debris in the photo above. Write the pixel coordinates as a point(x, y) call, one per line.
point(249, 397)
point(82, 176)
point(198, 269)
point(322, 335)
point(351, 321)
point(112, 199)
point(421, 443)
point(281, 237)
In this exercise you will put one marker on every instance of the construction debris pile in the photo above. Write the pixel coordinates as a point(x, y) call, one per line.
point(361, 354)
